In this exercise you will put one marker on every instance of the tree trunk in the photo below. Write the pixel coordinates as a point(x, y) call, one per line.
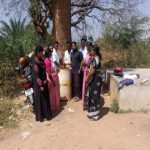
point(61, 17)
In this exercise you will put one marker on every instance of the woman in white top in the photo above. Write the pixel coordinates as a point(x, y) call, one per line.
point(67, 59)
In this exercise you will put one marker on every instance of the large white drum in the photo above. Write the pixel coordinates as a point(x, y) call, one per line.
point(65, 84)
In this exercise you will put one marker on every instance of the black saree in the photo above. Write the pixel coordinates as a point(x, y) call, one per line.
point(93, 90)
point(41, 98)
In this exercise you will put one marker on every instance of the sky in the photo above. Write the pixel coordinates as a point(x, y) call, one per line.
point(144, 8)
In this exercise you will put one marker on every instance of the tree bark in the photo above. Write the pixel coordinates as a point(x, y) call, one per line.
point(61, 17)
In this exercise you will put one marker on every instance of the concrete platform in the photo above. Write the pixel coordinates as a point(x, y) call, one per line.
point(135, 97)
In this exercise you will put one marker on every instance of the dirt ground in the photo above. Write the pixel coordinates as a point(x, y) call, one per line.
point(70, 129)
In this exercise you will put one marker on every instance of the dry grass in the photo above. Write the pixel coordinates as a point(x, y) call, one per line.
point(137, 55)
point(7, 114)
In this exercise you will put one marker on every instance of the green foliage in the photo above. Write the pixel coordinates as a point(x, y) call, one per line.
point(17, 39)
point(124, 45)
point(16, 28)
point(125, 111)
point(125, 32)
point(35, 8)
point(114, 106)
point(138, 55)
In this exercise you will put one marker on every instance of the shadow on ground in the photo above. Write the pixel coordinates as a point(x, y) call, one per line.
point(104, 110)
point(62, 105)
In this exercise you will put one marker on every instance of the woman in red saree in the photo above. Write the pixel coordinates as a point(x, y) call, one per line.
point(85, 67)
point(53, 81)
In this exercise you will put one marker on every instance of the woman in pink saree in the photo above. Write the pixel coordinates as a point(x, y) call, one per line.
point(53, 81)
point(85, 70)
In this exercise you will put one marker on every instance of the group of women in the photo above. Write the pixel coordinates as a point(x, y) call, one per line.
point(45, 84)
point(46, 65)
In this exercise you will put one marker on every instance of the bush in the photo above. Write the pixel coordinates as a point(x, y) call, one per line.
point(123, 43)
point(136, 56)
point(114, 106)
point(11, 48)
point(6, 114)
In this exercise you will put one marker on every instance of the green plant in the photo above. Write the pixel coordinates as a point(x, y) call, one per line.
point(17, 39)
point(123, 43)
point(14, 28)
point(125, 111)
point(114, 106)
point(125, 32)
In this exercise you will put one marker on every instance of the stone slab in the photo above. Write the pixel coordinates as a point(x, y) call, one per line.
point(135, 97)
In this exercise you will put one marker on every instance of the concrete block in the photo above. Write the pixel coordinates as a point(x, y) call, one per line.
point(135, 97)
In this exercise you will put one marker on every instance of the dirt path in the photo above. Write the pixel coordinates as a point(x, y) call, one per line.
point(74, 131)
